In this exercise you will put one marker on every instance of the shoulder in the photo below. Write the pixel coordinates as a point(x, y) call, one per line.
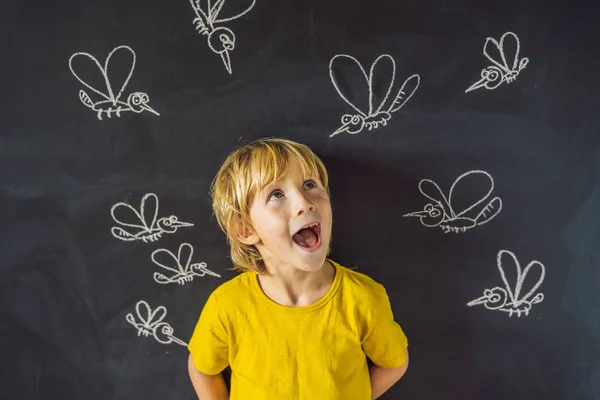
point(363, 298)
point(360, 281)
point(363, 288)
point(233, 289)
point(224, 302)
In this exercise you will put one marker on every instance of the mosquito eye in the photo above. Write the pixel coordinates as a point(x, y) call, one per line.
point(136, 100)
point(355, 119)
point(346, 118)
point(145, 97)
point(490, 73)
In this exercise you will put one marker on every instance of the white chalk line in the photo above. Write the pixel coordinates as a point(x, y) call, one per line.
point(510, 299)
point(376, 115)
point(442, 213)
point(220, 39)
point(180, 266)
point(142, 226)
point(502, 71)
point(150, 323)
point(137, 102)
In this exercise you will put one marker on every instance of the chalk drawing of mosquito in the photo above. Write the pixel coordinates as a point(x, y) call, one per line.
point(144, 224)
point(150, 323)
point(497, 52)
point(376, 114)
point(221, 40)
point(510, 299)
point(448, 215)
point(180, 266)
point(137, 102)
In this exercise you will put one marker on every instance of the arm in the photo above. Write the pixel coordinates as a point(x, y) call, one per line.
point(383, 378)
point(207, 387)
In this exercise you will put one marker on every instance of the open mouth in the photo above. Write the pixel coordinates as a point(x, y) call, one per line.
point(308, 237)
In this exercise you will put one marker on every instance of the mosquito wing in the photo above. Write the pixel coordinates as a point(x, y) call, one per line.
point(491, 209)
point(131, 319)
point(130, 221)
point(432, 191)
point(511, 47)
point(504, 54)
point(470, 190)
point(409, 87)
point(204, 21)
point(214, 10)
point(351, 82)
point(127, 58)
point(530, 281)
point(127, 216)
point(104, 71)
point(509, 274)
point(147, 316)
point(382, 76)
point(167, 260)
point(510, 271)
point(83, 56)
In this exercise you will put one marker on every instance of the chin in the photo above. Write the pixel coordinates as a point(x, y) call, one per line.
point(312, 261)
point(314, 265)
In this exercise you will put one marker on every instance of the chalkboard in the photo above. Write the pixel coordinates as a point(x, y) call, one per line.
point(463, 148)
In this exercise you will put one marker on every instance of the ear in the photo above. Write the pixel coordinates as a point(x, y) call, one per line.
point(246, 234)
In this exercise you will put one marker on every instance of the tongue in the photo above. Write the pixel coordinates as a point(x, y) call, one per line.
point(305, 238)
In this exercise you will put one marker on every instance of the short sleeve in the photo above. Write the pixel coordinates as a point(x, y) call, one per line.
point(386, 342)
point(209, 344)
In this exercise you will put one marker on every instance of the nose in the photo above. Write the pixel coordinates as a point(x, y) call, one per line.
point(304, 205)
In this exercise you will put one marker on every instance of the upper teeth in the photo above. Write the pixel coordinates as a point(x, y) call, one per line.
point(308, 226)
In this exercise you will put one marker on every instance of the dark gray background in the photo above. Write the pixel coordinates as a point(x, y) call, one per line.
point(66, 284)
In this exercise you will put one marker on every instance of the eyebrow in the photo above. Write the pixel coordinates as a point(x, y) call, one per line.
point(264, 191)
point(271, 185)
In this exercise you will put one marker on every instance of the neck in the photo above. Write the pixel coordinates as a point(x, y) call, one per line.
point(291, 286)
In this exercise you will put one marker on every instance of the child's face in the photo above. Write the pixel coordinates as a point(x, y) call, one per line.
point(280, 211)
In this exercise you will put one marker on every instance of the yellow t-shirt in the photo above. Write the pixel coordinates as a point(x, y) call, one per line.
point(314, 352)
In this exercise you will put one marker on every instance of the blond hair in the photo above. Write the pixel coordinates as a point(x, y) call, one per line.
point(243, 174)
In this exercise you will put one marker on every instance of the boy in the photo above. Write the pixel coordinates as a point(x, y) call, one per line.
point(294, 324)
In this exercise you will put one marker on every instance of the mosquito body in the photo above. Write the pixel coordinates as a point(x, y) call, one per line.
point(220, 39)
point(504, 69)
point(444, 214)
point(180, 266)
point(144, 224)
point(510, 299)
point(376, 115)
point(137, 102)
point(150, 323)
point(496, 299)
